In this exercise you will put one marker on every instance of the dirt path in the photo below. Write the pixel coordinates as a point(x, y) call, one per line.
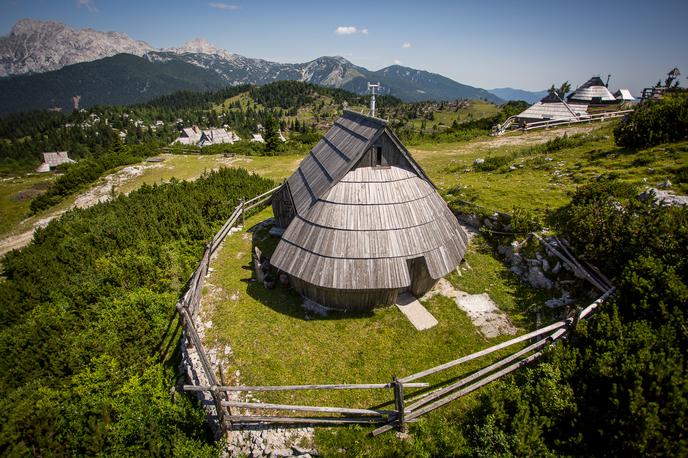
point(97, 194)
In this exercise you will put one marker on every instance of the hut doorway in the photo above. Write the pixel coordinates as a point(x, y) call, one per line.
point(421, 281)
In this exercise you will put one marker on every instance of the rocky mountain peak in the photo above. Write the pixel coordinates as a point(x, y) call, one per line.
point(199, 45)
point(35, 46)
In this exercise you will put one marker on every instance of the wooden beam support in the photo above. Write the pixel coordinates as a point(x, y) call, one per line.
point(298, 408)
point(359, 386)
point(238, 420)
point(487, 351)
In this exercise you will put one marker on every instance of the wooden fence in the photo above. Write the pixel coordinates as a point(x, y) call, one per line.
point(603, 116)
point(407, 407)
point(188, 305)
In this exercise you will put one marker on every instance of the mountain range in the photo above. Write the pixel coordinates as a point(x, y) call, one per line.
point(507, 93)
point(45, 63)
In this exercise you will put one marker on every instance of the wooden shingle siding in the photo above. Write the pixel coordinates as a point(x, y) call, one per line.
point(357, 225)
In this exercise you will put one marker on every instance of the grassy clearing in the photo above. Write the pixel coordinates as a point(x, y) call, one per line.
point(15, 197)
point(190, 167)
point(14, 213)
point(483, 272)
point(542, 180)
point(275, 341)
point(477, 110)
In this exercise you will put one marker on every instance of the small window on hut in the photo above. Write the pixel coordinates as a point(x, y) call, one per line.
point(378, 156)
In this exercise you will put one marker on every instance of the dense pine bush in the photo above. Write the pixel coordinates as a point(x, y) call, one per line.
point(655, 122)
point(617, 387)
point(88, 328)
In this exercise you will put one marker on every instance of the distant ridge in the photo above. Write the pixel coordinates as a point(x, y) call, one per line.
point(118, 80)
point(509, 94)
point(36, 48)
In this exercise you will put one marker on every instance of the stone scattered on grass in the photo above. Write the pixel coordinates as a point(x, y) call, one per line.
point(480, 308)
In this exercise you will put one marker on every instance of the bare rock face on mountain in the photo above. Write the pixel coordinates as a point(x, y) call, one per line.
point(40, 46)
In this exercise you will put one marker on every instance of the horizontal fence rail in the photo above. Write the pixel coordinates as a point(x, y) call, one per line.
point(356, 386)
point(408, 407)
point(603, 116)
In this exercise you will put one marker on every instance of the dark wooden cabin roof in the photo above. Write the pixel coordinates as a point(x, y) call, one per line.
point(355, 228)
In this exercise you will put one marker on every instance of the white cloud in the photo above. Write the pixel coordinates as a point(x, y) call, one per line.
point(88, 4)
point(397, 62)
point(223, 6)
point(364, 31)
point(406, 45)
point(346, 30)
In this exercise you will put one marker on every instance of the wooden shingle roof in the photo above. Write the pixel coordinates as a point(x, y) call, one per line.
point(554, 110)
point(356, 227)
point(592, 89)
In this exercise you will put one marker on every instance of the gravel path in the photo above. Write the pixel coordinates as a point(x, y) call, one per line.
point(97, 194)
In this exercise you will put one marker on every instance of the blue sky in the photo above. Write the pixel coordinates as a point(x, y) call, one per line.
point(523, 44)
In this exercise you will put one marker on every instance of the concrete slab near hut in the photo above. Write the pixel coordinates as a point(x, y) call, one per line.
point(418, 315)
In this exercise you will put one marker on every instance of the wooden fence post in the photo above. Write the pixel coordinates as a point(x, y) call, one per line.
point(218, 406)
point(399, 403)
point(243, 213)
point(226, 395)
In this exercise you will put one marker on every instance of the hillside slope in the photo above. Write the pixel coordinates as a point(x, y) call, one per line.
point(118, 80)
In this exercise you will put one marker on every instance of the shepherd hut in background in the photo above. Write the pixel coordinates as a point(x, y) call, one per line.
point(592, 92)
point(624, 95)
point(363, 221)
point(552, 108)
point(52, 160)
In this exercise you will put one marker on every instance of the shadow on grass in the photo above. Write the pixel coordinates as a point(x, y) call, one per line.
point(283, 299)
point(286, 301)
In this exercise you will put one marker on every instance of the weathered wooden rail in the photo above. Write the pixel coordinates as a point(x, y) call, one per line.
point(189, 304)
point(407, 406)
point(602, 116)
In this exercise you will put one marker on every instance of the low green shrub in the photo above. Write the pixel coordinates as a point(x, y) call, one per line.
point(655, 122)
point(493, 163)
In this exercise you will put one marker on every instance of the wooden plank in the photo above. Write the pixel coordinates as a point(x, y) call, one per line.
point(454, 386)
point(238, 420)
point(583, 272)
point(475, 386)
point(487, 351)
point(358, 386)
point(588, 310)
point(273, 190)
point(301, 408)
point(260, 202)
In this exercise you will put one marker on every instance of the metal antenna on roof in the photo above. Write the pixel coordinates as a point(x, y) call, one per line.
point(371, 88)
point(607, 84)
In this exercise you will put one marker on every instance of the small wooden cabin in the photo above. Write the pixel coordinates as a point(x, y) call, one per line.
point(362, 220)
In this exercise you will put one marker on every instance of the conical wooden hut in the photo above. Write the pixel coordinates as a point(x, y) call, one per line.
point(363, 222)
point(593, 92)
